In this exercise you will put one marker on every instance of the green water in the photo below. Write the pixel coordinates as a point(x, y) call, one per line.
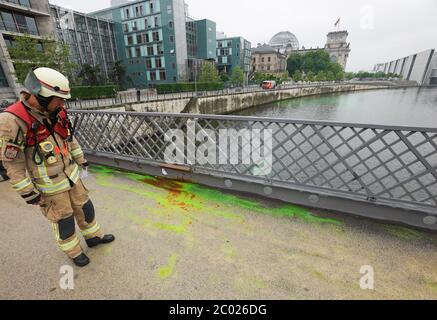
point(403, 107)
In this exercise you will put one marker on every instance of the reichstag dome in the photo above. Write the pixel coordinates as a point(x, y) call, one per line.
point(284, 40)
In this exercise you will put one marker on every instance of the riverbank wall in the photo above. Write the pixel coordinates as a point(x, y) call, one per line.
point(230, 103)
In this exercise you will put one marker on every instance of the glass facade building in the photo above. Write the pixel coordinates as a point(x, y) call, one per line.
point(151, 40)
point(159, 43)
point(19, 17)
point(91, 39)
point(232, 52)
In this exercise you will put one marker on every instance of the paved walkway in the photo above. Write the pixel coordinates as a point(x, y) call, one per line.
point(182, 241)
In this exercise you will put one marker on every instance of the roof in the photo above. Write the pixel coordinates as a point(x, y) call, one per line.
point(265, 48)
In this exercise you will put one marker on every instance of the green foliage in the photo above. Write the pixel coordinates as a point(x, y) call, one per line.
point(371, 75)
point(209, 74)
point(316, 65)
point(91, 75)
point(118, 73)
point(188, 87)
point(224, 77)
point(297, 76)
point(93, 92)
point(237, 77)
point(28, 53)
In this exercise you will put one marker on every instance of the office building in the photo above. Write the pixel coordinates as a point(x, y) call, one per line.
point(420, 67)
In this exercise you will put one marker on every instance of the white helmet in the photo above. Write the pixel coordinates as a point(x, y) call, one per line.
point(47, 82)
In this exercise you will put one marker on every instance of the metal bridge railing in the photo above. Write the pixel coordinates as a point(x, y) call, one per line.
point(392, 166)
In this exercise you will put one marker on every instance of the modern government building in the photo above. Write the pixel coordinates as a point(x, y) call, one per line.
point(420, 67)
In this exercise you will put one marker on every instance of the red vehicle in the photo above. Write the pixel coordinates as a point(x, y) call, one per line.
point(269, 85)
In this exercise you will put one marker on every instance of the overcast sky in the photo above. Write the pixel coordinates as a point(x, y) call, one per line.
point(379, 31)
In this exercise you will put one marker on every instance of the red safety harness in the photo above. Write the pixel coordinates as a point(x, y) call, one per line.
point(37, 131)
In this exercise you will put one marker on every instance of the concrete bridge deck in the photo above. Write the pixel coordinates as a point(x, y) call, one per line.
point(182, 241)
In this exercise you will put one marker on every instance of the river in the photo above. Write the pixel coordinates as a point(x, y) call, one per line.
point(402, 107)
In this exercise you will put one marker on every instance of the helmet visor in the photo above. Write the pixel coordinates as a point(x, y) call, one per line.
point(32, 83)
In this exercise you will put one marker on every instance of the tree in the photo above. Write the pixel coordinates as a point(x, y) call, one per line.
point(313, 63)
point(237, 77)
point(321, 76)
point(27, 53)
point(209, 74)
point(224, 77)
point(118, 72)
point(90, 75)
point(297, 76)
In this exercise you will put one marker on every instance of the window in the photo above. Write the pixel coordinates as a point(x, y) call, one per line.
point(153, 76)
point(146, 36)
point(156, 22)
point(125, 27)
point(149, 63)
point(126, 13)
point(130, 40)
point(174, 66)
point(150, 51)
point(155, 36)
point(151, 7)
point(158, 63)
point(160, 49)
point(171, 39)
point(139, 38)
point(170, 24)
point(162, 75)
point(8, 21)
point(128, 53)
point(31, 25)
point(269, 59)
point(134, 26)
point(139, 11)
point(262, 59)
point(138, 51)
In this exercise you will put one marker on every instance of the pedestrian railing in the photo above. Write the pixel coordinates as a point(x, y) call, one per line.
point(395, 167)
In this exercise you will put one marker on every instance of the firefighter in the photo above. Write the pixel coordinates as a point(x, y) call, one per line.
point(44, 161)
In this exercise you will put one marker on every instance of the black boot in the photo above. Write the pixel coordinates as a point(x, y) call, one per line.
point(96, 240)
point(81, 261)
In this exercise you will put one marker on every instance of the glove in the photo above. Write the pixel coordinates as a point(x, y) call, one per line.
point(35, 202)
point(85, 166)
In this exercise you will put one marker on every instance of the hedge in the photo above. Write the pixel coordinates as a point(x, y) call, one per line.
point(188, 87)
point(93, 92)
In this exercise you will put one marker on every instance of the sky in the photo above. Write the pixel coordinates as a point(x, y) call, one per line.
point(379, 31)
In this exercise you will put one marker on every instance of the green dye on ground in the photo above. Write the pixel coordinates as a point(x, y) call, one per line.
point(193, 197)
point(168, 270)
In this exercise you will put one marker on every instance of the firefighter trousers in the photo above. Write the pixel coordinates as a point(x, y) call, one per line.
point(63, 209)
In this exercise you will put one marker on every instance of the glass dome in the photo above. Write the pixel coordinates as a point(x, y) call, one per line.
point(285, 39)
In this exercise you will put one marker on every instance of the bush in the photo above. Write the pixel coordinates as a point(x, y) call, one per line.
point(188, 87)
point(93, 92)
